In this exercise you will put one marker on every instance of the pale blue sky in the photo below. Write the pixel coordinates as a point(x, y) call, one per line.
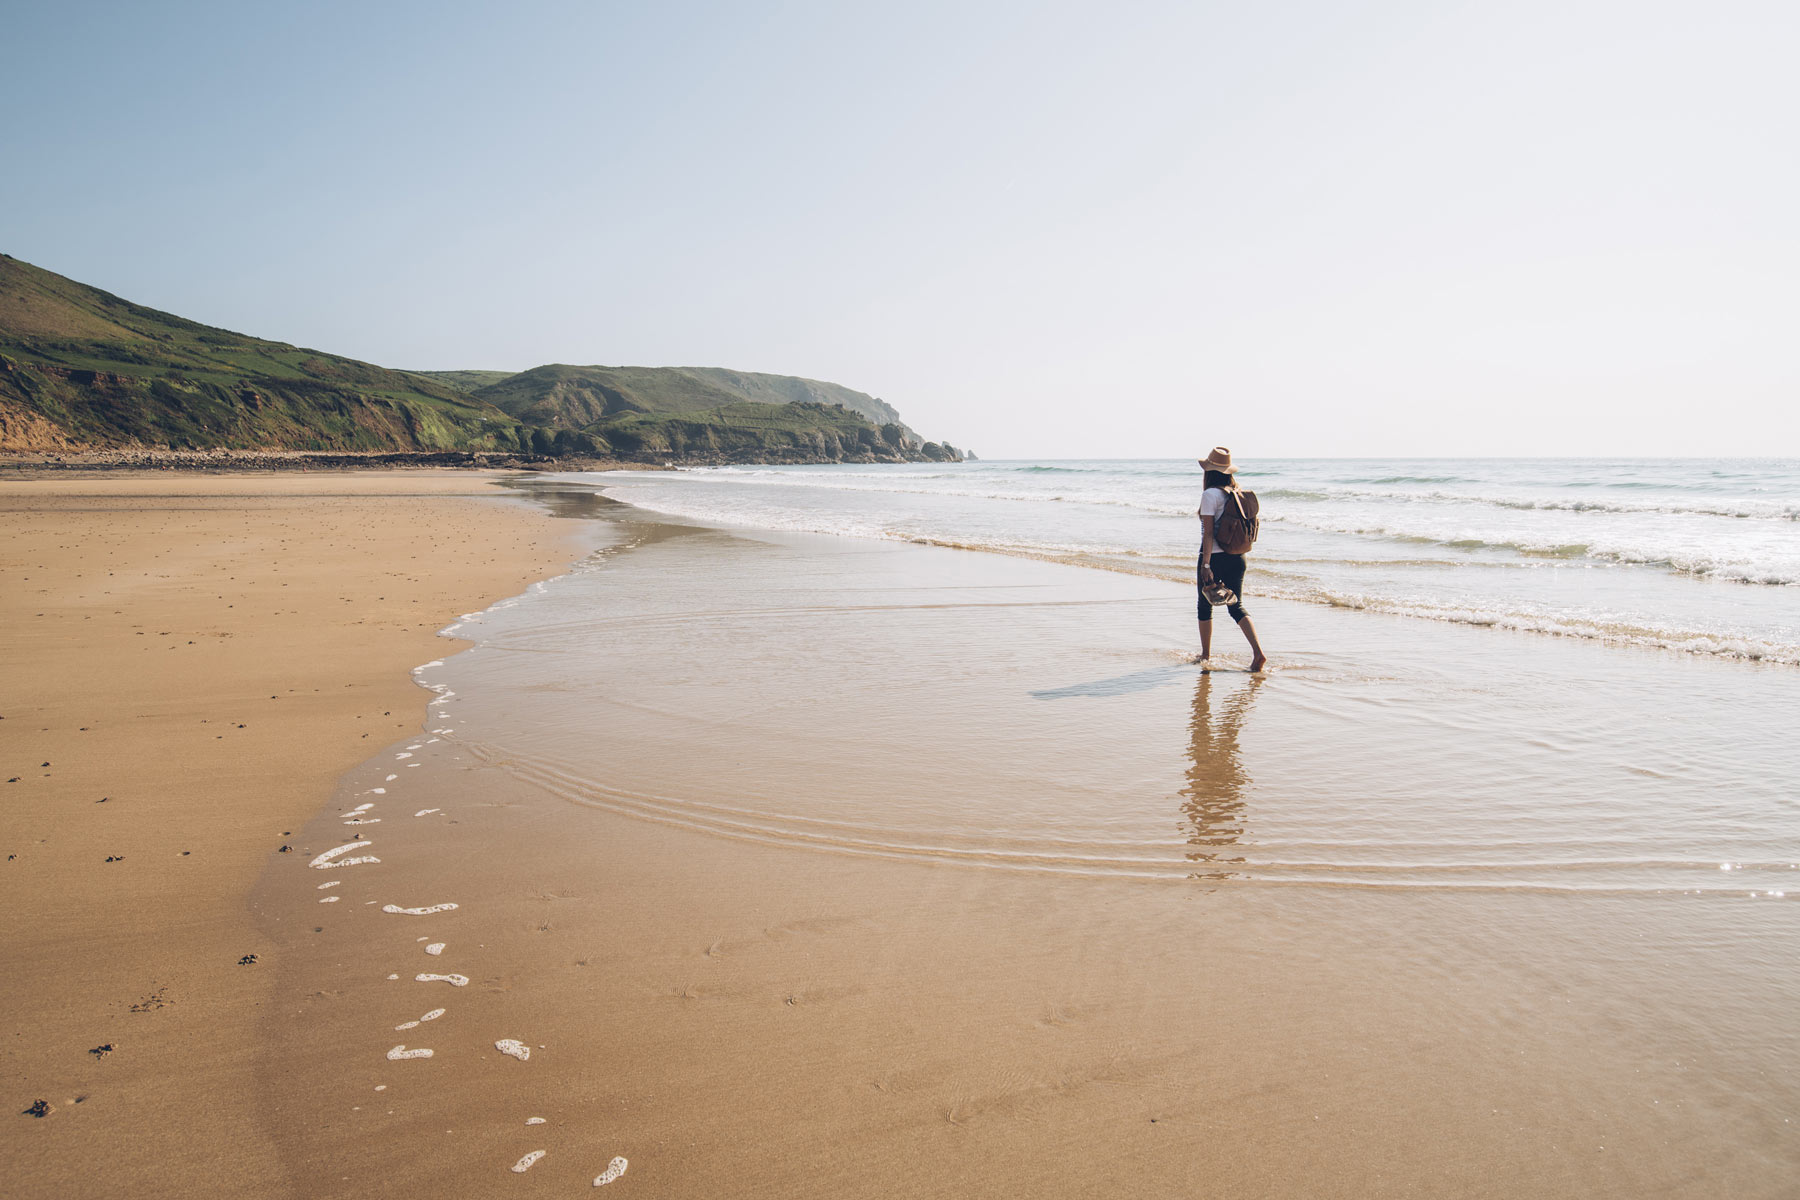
point(1038, 229)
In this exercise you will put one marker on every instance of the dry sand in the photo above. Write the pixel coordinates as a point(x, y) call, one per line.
point(190, 664)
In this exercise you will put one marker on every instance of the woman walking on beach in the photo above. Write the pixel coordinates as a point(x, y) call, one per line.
point(1217, 567)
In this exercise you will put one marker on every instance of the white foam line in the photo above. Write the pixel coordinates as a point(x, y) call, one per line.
point(415, 764)
point(399, 1052)
point(414, 746)
point(426, 812)
point(405, 1025)
point(452, 980)
point(329, 899)
point(391, 778)
point(435, 948)
point(417, 912)
point(324, 861)
point(361, 808)
point(524, 1164)
point(363, 821)
point(512, 1046)
point(378, 791)
point(434, 1014)
point(534, 1120)
point(331, 884)
point(404, 754)
point(614, 1169)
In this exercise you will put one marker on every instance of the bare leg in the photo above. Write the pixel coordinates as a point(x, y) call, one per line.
point(1258, 658)
point(1205, 640)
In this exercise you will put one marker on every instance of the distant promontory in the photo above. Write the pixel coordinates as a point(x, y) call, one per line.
point(84, 371)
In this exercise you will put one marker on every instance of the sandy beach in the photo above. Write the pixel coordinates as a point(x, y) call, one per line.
point(744, 863)
point(191, 662)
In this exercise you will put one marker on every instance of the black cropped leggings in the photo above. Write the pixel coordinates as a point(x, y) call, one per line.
point(1228, 569)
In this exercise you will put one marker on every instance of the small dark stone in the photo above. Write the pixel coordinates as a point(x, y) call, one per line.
point(40, 1108)
point(249, 960)
point(115, 858)
point(14, 779)
point(43, 764)
point(285, 849)
point(185, 853)
point(102, 1051)
point(103, 800)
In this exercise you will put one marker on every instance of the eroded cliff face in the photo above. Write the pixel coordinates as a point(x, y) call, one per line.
point(23, 431)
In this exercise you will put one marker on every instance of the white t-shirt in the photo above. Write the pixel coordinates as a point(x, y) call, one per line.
point(1212, 503)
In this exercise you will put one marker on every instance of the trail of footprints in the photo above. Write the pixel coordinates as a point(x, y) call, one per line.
point(335, 859)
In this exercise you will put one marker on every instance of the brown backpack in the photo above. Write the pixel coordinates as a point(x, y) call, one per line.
point(1235, 528)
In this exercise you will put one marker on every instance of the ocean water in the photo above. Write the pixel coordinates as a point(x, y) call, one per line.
point(1699, 556)
point(869, 695)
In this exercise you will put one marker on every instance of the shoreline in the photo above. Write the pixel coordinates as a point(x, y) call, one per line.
point(677, 797)
point(197, 659)
point(747, 993)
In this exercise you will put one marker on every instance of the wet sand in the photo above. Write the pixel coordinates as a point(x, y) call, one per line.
point(191, 663)
point(785, 865)
point(815, 867)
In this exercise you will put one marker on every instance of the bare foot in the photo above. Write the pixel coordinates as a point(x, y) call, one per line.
point(1204, 663)
point(1258, 663)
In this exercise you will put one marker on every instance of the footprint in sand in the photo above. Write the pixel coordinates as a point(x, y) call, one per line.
point(524, 1164)
point(514, 1047)
point(413, 912)
point(401, 1052)
point(614, 1169)
point(324, 861)
point(452, 980)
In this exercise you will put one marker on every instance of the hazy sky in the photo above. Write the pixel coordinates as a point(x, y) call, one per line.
point(1047, 229)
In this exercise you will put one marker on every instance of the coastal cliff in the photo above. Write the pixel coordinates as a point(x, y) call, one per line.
point(84, 371)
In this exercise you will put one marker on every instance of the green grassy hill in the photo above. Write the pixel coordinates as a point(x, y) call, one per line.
point(80, 367)
point(707, 412)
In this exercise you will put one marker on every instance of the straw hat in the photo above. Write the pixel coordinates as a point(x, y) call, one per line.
point(1218, 460)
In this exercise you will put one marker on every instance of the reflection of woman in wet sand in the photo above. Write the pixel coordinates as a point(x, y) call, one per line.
point(1213, 803)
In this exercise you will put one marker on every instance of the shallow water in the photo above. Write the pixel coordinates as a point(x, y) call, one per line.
point(865, 697)
point(945, 872)
point(1697, 555)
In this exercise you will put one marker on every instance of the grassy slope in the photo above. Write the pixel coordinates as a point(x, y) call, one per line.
point(798, 432)
point(703, 411)
point(788, 389)
point(81, 368)
point(102, 371)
